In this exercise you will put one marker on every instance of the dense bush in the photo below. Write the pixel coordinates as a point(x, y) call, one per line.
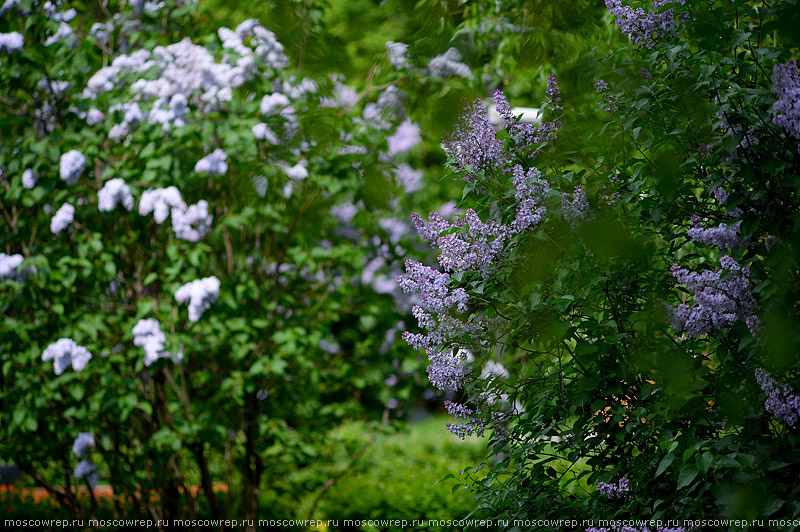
point(616, 302)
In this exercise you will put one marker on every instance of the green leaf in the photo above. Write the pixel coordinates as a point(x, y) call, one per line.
point(687, 475)
point(664, 464)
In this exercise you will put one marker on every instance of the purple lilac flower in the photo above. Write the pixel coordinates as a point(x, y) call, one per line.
point(448, 64)
point(82, 443)
point(397, 54)
point(71, 166)
point(448, 370)
point(431, 285)
point(718, 302)
point(473, 145)
point(472, 426)
point(723, 236)
point(87, 469)
point(781, 401)
point(474, 249)
point(721, 196)
point(576, 209)
point(614, 490)
point(404, 138)
point(754, 326)
point(647, 27)
point(66, 352)
point(611, 99)
point(529, 191)
point(526, 135)
point(553, 92)
point(786, 85)
point(10, 268)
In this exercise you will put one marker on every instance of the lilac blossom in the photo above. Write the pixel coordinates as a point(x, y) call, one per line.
point(160, 201)
point(192, 223)
point(473, 145)
point(212, 164)
point(786, 85)
point(723, 236)
point(461, 412)
point(83, 443)
point(448, 64)
point(62, 219)
point(576, 209)
point(408, 178)
point(404, 138)
point(271, 104)
point(114, 192)
point(11, 43)
point(529, 192)
point(473, 249)
point(614, 490)
point(263, 132)
point(527, 135)
point(609, 98)
point(781, 401)
point(200, 294)
point(646, 28)
point(71, 166)
point(147, 335)
point(66, 352)
point(448, 370)
point(87, 469)
point(397, 54)
point(29, 178)
point(553, 92)
point(719, 302)
point(10, 268)
point(721, 196)
point(434, 294)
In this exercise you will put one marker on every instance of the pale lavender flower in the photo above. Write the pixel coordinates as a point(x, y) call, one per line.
point(723, 236)
point(263, 132)
point(721, 196)
point(160, 201)
point(71, 166)
point(786, 84)
point(404, 138)
point(644, 27)
point(397, 54)
point(147, 335)
point(11, 43)
point(529, 192)
point(553, 92)
point(272, 103)
point(66, 352)
point(461, 412)
point(10, 268)
point(408, 178)
point(448, 64)
point(87, 469)
point(29, 178)
point(448, 370)
point(114, 192)
point(200, 294)
point(576, 209)
point(435, 295)
point(62, 218)
point(82, 443)
point(614, 490)
point(473, 145)
point(609, 98)
point(192, 223)
point(213, 164)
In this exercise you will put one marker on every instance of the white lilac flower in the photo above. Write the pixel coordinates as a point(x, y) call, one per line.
point(298, 171)
point(396, 228)
point(56, 88)
point(87, 469)
point(448, 64)
point(64, 32)
point(66, 352)
point(11, 42)
point(94, 117)
point(71, 166)
point(344, 212)
point(268, 48)
point(397, 54)
point(404, 138)
point(10, 268)
point(160, 201)
point(245, 29)
point(82, 443)
point(193, 223)
point(263, 132)
point(114, 192)
point(200, 294)
point(7, 6)
point(29, 178)
point(147, 335)
point(213, 164)
point(62, 218)
point(272, 103)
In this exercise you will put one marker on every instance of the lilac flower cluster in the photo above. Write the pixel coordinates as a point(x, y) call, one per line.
point(190, 223)
point(647, 27)
point(786, 84)
point(576, 209)
point(397, 54)
point(781, 401)
point(83, 443)
point(473, 145)
point(472, 426)
point(723, 236)
point(213, 164)
point(529, 193)
point(608, 97)
point(147, 335)
point(114, 192)
point(11, 42)
point(406, 136)
point(719, 302)
point(200, 294)
point(615, 490)
point(525, 135)
point(71, 166)
point(87, 469)
point(62, 219)
point(448, 64)
point(10, 268)
point(66, 352)
point(29, 178)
